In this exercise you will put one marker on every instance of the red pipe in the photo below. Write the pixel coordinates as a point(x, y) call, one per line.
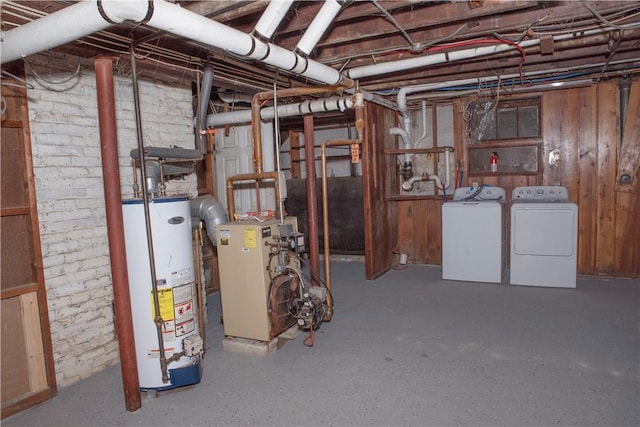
point(115, 231)
point(312, 197)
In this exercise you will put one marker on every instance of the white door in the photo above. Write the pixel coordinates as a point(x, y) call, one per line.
point(233, 157)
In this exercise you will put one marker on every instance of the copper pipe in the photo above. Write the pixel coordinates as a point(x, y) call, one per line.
point(115, 231)
point(248, 177)
point(312, 197)
point(147, 217)
point(197, 239)
point(325, 198)
point(256, 102)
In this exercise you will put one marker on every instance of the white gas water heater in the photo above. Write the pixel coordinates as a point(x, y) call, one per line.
point(170, 219)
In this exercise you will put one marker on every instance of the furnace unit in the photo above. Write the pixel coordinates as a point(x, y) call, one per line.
point(249, 255)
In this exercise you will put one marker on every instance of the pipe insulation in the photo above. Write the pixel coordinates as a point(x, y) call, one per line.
point(208, 209)
point(271, 18)
point(85, 18)
point(318, 26)
point(176, 20)
point(336, 103)
point(433, 59)
point(67, 25)
point(452, 56)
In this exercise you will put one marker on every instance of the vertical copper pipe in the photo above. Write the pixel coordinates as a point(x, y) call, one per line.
point(312, 197)
point(115, 230)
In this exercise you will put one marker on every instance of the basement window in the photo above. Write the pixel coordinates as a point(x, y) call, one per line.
point(490, 120)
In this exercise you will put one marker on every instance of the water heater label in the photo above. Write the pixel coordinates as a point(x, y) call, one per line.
point(184, 310)
point(181, 277)
point(250, 238)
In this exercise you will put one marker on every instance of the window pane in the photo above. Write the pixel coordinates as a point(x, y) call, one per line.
point(444, 118)
point(507, 123)
point(487, 126)
point(528, 122)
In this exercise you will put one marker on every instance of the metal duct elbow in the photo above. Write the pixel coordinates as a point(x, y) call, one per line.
point(153, 170)
point(208, 209)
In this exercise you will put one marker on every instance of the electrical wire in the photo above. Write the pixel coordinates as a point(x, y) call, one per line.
point(396, 24)
point(49, 85)
point(26, 83)
point(605, 21)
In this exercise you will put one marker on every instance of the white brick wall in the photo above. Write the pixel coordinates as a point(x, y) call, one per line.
point(70, 197)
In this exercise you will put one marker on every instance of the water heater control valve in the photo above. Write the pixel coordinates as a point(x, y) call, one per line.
point(192, 345)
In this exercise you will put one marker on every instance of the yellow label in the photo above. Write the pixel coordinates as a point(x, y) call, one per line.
point(165, 300)
point(250, 238)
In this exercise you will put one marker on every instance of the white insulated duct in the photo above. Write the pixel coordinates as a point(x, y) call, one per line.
point(85, 18)
point(271, 18)
point(67, 25)
point(318, 26)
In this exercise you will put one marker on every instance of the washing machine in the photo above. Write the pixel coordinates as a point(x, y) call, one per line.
point(474, 235)
point(544, 237)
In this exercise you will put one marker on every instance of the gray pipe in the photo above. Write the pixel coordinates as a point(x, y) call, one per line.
point(211, 212)
point(624, 87)
point(166, 153)
point(203, 104)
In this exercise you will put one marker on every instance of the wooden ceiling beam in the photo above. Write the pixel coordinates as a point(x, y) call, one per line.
point(429, 15)
point(506, 24)
point(225, 10)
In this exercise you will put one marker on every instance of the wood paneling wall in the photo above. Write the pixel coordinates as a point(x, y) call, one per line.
point(27, 377)
point(583, 123)
point(378, 177)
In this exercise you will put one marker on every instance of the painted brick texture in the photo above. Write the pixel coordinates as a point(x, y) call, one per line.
point(70, 197)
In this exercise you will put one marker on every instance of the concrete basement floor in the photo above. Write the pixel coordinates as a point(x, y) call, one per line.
point(407, 349)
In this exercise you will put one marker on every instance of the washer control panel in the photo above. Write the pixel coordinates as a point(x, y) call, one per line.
point(481, 193)
point(541, 193)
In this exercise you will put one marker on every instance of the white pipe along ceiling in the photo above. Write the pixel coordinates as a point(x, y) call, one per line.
point(88, 17)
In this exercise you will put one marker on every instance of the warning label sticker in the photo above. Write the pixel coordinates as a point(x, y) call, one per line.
point(250, 238)
point(225, 235)
point(184, 310)
point(165, 301)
